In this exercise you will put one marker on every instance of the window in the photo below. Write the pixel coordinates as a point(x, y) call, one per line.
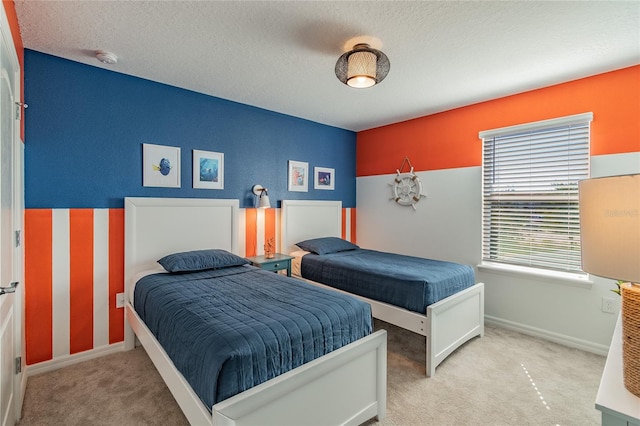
point(530, 175)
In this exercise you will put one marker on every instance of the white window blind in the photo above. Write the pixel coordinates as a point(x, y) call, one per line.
point(530, 176)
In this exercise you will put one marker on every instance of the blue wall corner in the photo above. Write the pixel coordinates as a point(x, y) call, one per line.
point(85, 127)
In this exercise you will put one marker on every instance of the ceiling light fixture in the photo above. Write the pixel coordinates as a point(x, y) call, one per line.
point(362, 67)
point(106, 57)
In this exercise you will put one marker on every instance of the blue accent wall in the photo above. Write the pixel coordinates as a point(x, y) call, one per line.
point(85, 127)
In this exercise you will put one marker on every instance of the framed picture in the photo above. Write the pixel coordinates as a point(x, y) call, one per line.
point(324, 178)
point(208, 169)
point(160, 166)
point(298, 176)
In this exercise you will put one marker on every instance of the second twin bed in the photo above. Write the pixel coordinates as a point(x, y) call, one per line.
point(436, 299)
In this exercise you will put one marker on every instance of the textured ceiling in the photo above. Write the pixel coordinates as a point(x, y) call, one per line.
point(280, 55)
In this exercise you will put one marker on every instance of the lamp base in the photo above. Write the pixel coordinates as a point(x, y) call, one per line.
point(631, 336)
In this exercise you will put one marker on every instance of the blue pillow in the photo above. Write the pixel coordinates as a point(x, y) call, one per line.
point(326, 245)
point(199, 260)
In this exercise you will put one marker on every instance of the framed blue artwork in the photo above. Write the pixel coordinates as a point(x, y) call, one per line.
point(208, 169)
point(324, 178)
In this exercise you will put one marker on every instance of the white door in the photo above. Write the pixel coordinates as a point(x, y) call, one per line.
point(11, 201)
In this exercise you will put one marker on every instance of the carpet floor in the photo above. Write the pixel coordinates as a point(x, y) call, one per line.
point(504, 378)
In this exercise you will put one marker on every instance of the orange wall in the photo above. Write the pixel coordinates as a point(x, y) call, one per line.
point(12, 17)
point(450, 139)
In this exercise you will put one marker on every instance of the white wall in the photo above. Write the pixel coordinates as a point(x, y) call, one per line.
point(447, 226)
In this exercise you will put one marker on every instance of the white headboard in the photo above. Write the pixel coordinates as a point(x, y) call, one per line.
point(155, 227)
point(303, 219)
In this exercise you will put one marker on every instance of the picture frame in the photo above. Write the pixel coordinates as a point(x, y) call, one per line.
point(324, 178)
point(298, 176)
point(160, 166)
point(208, 169)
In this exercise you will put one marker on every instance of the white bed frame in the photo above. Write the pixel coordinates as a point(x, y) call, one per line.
point(446, 324)
point(346, 386)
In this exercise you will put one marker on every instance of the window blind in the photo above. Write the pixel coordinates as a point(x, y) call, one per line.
point(530, 176)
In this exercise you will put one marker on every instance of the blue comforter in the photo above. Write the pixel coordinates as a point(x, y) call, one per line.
point(230, 329)
point(409, 282)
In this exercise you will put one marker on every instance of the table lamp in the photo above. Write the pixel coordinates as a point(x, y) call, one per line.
point(610, 241)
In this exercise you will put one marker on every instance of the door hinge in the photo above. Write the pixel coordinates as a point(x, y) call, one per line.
point(18, 238)
point(19, 365)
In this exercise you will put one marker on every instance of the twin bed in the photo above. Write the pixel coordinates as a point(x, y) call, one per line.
point(246, 346)
point(442, 301)
point(312, 353)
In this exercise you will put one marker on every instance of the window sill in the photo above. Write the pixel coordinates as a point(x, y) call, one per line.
point(564, 278)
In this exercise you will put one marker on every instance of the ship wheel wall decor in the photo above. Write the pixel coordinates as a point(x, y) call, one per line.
point(406, 188)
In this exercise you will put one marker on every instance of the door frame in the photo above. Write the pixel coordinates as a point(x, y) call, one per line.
point(19, 379)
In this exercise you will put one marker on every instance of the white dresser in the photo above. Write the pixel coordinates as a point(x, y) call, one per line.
point(619, 407)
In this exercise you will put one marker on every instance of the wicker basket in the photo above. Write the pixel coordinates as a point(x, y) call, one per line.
point(631, 337)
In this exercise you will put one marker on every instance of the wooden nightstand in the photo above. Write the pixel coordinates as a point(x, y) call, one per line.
point(278, 263)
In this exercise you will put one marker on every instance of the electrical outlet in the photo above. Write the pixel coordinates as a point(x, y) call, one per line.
point(609, 305)
point(120, 300)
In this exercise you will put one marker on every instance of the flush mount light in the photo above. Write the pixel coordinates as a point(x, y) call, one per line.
point(106, 57)
point(362, 66)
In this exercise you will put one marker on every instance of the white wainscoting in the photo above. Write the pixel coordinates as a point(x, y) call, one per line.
point(447, 226)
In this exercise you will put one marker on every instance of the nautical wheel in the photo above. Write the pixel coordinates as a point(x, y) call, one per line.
point(406, 187)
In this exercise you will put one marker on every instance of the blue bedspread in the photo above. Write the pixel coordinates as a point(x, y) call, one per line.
point(409, 282)
point(230, 329)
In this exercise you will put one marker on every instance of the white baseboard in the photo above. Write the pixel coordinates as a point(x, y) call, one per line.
point(562, 339)
point(67, 360)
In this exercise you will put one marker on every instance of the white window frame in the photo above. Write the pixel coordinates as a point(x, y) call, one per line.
point(529, 262)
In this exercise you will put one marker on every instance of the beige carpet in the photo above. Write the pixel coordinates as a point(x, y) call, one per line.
point(505, 378)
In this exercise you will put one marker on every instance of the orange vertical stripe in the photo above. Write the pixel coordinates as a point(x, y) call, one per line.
point(269, 225)
point(80, 280)
point(251, 216)
point(353, 225)
point(116, 274)
point(343, 232)
point(38, 285)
